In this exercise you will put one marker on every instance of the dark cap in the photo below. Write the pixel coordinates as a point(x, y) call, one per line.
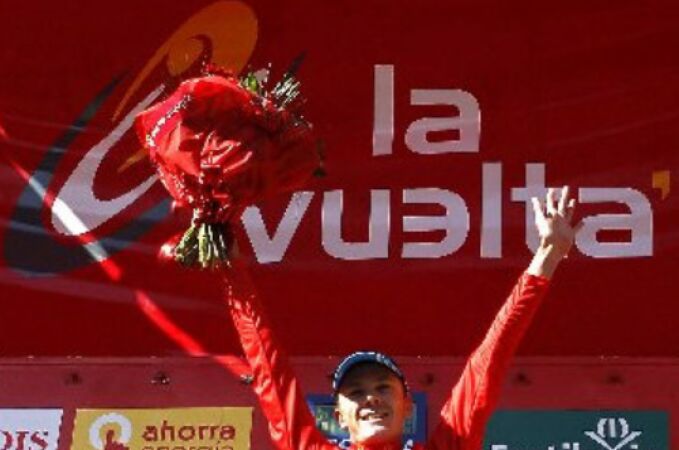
point(362, 357)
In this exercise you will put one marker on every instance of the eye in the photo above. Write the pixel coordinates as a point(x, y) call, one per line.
point(355, 393)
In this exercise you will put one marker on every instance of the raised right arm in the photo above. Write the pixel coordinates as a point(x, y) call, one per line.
point(291, 425)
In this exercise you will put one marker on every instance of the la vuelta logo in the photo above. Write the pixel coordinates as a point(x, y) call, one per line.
point(455, 221)
point(82, 228)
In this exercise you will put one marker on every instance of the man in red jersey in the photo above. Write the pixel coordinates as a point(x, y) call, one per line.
point(373, 400)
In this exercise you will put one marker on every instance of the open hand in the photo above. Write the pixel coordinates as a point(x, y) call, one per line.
point(554, 222)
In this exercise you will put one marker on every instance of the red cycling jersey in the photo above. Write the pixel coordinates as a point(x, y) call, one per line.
point(463, 417)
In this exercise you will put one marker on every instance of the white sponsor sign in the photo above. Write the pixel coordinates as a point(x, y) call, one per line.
point(29, 429)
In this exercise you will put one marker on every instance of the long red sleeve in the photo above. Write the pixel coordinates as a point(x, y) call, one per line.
point(291, 425)
point(474, 396)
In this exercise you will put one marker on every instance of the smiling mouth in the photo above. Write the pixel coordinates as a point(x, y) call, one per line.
point(374, 416)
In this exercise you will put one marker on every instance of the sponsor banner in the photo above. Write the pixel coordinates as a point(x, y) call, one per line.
point(578, 430)
point(29, 429)
point(323, 407)
point(218, 428)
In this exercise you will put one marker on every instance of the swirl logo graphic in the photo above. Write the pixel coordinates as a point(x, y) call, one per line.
point(123, 424)
point(62, 219)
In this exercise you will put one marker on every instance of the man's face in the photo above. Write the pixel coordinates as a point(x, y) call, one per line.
point(372, 405)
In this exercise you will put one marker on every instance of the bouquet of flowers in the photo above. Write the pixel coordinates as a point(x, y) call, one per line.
point(221, 143)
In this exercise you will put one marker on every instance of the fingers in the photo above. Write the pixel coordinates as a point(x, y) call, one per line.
point(550, 203)
point(564, 206)
point(570, 209)
point(537, 208)
point(564, 201)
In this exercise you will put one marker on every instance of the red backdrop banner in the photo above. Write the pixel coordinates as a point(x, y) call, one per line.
point(440, 120)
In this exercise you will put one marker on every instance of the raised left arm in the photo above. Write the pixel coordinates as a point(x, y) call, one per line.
point(474, 396)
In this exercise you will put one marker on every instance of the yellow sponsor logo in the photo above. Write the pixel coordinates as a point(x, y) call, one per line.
point(219, 428)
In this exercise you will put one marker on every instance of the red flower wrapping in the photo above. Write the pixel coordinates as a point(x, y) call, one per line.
point(219, 147)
